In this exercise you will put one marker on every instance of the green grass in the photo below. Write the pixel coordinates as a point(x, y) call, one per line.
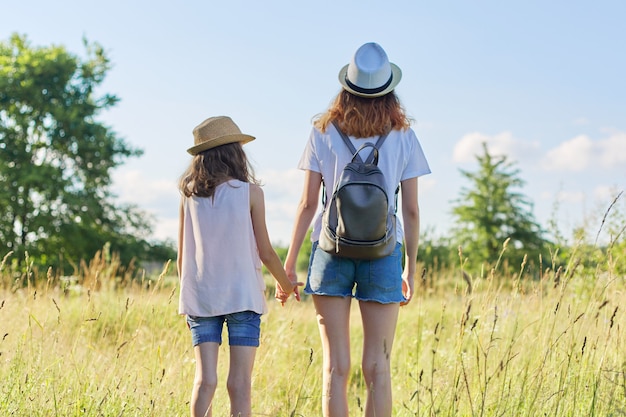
point(524, 349)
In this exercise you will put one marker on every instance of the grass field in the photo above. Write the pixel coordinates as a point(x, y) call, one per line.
point(520, 348)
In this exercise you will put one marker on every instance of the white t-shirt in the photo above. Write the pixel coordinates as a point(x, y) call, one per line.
point(221, 269)
point(400, 158)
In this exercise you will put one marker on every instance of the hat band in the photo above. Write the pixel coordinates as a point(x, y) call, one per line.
point(369, 90)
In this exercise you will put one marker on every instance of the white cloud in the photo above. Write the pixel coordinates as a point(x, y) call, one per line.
point(605, 193)
point(282, 184)
point(282, 191)
point(570, 197)
point(166, 228)
point(157, 197)
point(503, 143)
point(574, 155)
point(133, 186)
point(571, 155)
point(613, 150)
point(582, 152)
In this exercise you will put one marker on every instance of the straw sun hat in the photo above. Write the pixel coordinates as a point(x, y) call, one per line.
point(370, 74)
point(216, 131)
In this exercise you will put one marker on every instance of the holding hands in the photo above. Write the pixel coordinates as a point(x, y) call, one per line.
point(408, 285)
point(282, 295)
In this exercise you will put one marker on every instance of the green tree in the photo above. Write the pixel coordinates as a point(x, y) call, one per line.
point(490, 213)
point(56, 158)
point(302, 263)
point(436, 253)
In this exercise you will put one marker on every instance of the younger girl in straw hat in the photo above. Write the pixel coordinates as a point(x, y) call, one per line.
point(222, 242)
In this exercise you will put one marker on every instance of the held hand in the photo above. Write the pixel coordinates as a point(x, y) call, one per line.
point(296, 290)
point(282, 296)
point(407, 286)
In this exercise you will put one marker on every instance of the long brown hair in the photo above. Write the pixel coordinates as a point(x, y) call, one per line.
point(210, 168)
point(363, 117)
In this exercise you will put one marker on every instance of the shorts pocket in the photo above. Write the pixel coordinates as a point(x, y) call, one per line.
point(386, 274)
point(322, 270)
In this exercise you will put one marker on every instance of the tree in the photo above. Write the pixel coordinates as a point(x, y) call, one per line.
point(436, 253)
point(302, 262)
point(56, 158)
point(490, 213)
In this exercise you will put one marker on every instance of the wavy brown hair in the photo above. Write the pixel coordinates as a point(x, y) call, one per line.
point(363, 117)
point(212, 167)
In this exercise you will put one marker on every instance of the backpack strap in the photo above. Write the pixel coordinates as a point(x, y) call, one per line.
point(378, 144)
point(355, 153)
point(346, 140)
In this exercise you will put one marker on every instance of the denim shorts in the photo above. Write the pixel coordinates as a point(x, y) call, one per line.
point(244, 328)
point(377, 280)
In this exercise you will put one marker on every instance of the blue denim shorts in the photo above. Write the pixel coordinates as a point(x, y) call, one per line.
point(244, 328)
point(377, 280)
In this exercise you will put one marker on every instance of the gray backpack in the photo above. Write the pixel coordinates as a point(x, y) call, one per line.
point(358, 221)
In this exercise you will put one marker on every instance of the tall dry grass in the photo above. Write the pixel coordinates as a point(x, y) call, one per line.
point(509, 347)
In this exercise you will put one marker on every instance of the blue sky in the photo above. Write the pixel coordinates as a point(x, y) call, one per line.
point(540, 81)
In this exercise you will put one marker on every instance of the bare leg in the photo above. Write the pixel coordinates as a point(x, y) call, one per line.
point(205, 380)
point(379, 326)
point(333, 319)
point(239, 382)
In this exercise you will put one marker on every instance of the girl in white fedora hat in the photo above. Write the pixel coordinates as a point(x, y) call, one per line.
point(366, 108)
point(222, 242)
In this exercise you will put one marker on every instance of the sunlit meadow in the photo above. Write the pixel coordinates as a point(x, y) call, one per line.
point(102, 345)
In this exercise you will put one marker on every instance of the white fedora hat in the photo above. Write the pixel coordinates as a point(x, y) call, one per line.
point(370, 74)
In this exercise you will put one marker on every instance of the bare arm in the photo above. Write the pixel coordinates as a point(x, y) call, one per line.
point(266, 252)
point(411, 220)
point(304, 216)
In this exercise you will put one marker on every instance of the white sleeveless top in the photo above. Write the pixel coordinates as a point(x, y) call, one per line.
point(221, 269)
